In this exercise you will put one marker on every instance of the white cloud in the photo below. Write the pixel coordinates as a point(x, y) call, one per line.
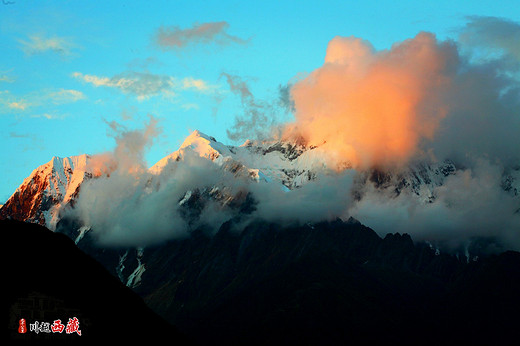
point(141, 84)
point(6, 78)
point(145, 84)
point(10, 102)
point(95, 80)
point(20, 105)
point(37, 44)
point(62, 96)
point(49, 116)
point(197, 84)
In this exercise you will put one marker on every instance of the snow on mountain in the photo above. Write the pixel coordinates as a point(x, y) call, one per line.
point(290, 165)
point(196, 142)
point(294, 164)
point(56, 183)
point(51, 185)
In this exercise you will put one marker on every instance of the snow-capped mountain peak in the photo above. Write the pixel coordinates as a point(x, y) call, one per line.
point(49, 186)
point(196, 143)
point(288, 164)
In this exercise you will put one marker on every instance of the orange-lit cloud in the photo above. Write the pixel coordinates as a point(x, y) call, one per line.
point(369, 108)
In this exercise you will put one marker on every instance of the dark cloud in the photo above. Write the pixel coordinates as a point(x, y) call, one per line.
point(285, 99)
point(175, 38)
point(494, 36)
point(483, 100)
point(257, 117)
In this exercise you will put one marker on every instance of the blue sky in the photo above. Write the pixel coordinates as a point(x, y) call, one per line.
point(70, 69)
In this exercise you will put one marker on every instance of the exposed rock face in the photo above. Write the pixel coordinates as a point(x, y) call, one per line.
point(48, 188)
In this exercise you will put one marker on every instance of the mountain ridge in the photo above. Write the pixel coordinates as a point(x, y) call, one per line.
point(53, 188)
point(291, 280)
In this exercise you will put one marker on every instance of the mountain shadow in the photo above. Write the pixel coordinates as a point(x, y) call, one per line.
point(49, 278)
point(330, 283)
point(326, 283)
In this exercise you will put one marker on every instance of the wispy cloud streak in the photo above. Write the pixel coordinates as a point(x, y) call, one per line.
point(37, 44)
point(175, 38)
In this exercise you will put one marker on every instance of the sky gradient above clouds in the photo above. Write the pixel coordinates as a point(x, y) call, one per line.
point(72, 71)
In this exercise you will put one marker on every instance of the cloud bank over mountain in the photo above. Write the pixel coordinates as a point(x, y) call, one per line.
point(423, 102)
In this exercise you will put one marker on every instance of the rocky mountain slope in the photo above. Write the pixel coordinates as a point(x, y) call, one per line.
point(330, 281)
point(55, 186)
point(49, 187)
